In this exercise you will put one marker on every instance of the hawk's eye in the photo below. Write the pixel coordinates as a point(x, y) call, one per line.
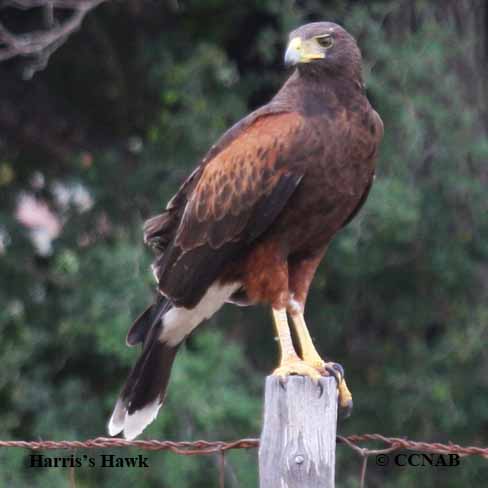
point(325, 41)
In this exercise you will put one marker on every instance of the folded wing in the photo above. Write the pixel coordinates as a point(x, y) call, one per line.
point(228, 202)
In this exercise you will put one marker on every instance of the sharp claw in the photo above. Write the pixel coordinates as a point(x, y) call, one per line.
point(283, 380)
point(337, 373)
point(321, 389)
point(345, 399)
point(338, 367)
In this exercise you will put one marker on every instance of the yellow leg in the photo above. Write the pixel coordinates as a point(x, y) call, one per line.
point(290, 362)
point(312, 357)
point(309, 353)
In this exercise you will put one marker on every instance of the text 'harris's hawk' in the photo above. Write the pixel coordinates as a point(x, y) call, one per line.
point(253, 221)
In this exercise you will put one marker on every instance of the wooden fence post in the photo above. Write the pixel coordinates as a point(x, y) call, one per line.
point(298, 441)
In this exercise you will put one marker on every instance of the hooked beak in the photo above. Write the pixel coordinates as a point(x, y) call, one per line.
point(299, 51)
point(293, 52)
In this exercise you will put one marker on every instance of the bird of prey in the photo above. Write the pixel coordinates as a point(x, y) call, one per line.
point(253, 221)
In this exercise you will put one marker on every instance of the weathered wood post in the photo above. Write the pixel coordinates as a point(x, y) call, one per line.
point(298, 441)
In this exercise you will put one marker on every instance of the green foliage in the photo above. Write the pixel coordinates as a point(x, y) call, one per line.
point(400, 301)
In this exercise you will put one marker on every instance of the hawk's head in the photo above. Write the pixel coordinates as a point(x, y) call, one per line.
point(323, 46)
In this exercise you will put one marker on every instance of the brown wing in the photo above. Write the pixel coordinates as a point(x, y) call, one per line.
point(160, 229)
point(236, 179)
point(234, 198)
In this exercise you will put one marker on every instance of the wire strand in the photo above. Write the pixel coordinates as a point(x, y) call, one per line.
point(202, 447)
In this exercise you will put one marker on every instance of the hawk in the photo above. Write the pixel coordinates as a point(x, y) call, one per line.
point(253, 221)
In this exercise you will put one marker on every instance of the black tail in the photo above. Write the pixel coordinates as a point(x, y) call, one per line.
point(145, 388)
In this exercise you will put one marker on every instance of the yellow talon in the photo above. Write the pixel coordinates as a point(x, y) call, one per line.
point(345, 396)
point(298, 367)
point(312, 364)
point(313, 359)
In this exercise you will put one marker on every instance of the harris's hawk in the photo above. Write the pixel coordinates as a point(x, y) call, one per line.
point(252, 222)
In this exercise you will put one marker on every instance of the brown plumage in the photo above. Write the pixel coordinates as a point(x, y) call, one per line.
point(255, 218)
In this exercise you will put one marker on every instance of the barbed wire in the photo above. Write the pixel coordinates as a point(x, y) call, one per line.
point(190, 448)
point(186, 448)
point(398, 443)
point(202, 447)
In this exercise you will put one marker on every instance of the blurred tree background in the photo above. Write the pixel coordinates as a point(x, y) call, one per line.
point(100, 138)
